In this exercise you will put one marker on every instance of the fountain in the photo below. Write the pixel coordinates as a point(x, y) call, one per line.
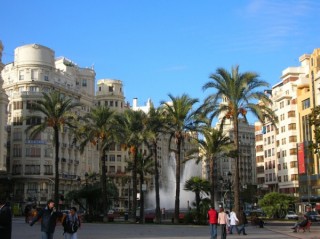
point(168, 185)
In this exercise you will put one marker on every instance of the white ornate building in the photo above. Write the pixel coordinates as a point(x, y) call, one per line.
point(33, 71)
point(3, 121)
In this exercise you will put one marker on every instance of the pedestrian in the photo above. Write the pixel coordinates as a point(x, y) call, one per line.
point(223, 221)
point(27, 212)
point(302, 223)
point(5, 219)
point(233, 221)
point(242, 222)
point(213, 220)
point(49, 216)
point(163, 213)
point(71, 223)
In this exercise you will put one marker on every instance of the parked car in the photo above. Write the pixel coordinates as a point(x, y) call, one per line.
point(313, 216)
point(291, 215)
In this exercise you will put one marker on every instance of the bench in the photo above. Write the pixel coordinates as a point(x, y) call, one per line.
point(306, 227)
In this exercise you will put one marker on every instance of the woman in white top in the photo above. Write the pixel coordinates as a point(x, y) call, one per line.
point(223, 220)
point(233, 221)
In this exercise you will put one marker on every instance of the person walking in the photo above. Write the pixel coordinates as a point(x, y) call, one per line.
point(71, 223)
point(27, 212)
point(243, 222)
point(49, 216)
point(233, 221)
point(223, 220)
point(213, 220)
point(5, 219)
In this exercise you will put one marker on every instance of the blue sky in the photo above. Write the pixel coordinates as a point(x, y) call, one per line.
point(166, 46)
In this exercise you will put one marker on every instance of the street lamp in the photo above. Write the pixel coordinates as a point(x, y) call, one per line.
point(227, 184)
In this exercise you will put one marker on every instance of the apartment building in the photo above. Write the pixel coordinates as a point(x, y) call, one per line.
point(308, 160)
point(33, 71)
point(276, 145)
point(110, 93)
point(247, 155)
point(3, 121)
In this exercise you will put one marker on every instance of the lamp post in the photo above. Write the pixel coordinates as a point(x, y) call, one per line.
point(86, 176)
point(227, 185)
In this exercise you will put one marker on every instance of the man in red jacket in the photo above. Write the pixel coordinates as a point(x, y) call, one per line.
point(213, 221)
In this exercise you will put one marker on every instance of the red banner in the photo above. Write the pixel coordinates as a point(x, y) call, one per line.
point(301, 164)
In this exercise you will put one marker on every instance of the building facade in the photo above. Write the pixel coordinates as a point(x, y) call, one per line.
point(3, 121)
point(34, 71)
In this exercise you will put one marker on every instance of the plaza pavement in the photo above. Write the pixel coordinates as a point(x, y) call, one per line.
point(122, 230)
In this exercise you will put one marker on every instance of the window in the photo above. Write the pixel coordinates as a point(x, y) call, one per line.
point(292, 139)
point(18, 105)
point(294, 177)
point(291, 114)
point(34, 74)
point(17, 120)
point(17, 151)
point(285, 178)
point(306, 104)
point(16, 169)
point(33, 121)
point(33, 89)
point(48, 169)
point(112, 158)
point(106, 103)
point(293, 164)
point(111, 103)
point(279, 179)
point(281, 104)
point(112, 169)
point(21, 75)
point(111, 88)
point(46, 76)
point(84, 83)
point(282, 117)
point(119, 169)
point(292, 126)
point(293, 151)
point(33, 152)
point(279, 166)
point(32, 169)
point(285, 166)
point(284, 153)
point(283, 141)
point(17, 135)
point(118, 158)
point(48, 152)
point(283, 129)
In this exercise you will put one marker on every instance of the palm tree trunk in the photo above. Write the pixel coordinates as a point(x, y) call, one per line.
point(157, 186)
point(103, 182)
point(198, 205)
point(134, 185)
point(177, 199)
point(212, 181)
point(236, 174)
point(56, 179)
point(141, 221)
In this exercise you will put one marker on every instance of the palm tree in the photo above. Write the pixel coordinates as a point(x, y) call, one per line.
point(181, 122)
point(131, 129)
point(155, 126)
point(213, 145)
point(55, 112)
point(198, 186)
point(98, 129)
point(236, 91)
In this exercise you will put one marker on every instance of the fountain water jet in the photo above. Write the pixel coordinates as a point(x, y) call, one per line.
point(168, 184)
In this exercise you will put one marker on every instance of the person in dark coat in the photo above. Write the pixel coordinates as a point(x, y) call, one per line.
point(49, 216)
point(242, 222)
point(5, 219)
